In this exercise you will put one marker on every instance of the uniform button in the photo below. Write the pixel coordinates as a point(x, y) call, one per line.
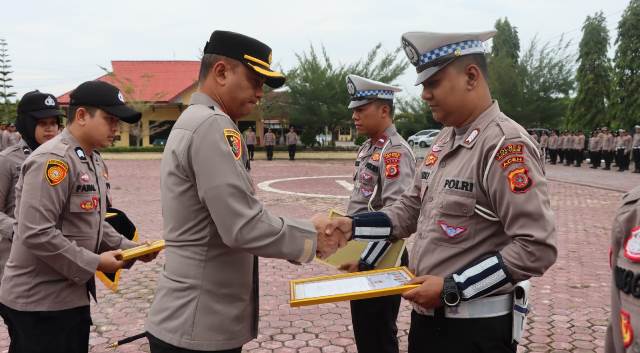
point(464, 209)
point(429, 199)
point(442, 164)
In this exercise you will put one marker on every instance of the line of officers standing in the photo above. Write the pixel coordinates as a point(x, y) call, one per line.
point(569, 148)
point(8, 135)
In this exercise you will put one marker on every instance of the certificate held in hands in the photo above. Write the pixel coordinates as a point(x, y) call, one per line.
point(350, 286)
point(144, 249)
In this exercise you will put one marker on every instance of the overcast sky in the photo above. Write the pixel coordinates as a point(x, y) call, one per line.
point(56, 45)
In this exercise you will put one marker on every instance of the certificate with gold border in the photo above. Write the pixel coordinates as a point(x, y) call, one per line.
point(350, 286)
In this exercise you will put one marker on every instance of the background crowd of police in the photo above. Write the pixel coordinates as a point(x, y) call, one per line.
point(602, 145)
point(8, 135)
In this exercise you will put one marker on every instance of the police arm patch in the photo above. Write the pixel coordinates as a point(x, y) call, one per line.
point(392, 164)
point(626, 328)
point(519, 180)
point(55, 172)
point(235, 142)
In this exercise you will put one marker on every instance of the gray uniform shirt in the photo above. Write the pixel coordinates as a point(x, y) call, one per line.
point(207, 297)
point(11, 160)
point(384, 170)
point(269, 139)
point(60, 229)
point(625, 268)
point(496, 167)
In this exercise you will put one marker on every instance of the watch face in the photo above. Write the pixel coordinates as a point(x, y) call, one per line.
point(451, 298)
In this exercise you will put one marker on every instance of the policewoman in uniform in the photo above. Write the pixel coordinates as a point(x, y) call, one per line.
point(479, 208)
point(61, 237)
point(38, 121)
point(384, 170)
point(623, 333)
point(214, 226)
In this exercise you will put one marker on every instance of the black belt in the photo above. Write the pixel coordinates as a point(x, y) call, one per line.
point(627, 281)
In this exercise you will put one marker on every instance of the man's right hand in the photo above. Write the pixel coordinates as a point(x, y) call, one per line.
point(328, 242)
point(109, 262)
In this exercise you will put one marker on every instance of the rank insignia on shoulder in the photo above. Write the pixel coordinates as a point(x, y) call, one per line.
point(55, 172)
point(632, 245)
point(626, 328)
point(235, 142)
point(519, 180)
point(472, 136)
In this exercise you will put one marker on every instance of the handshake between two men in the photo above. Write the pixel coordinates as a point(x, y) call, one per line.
point(333, 233)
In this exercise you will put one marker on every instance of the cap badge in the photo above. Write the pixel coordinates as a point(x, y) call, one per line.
point(50, 102)
point(270, 57)
point(351, 87)
point(411, 51)
point(120, 96)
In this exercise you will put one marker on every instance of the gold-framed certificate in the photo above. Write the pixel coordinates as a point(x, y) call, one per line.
point(350, 286)
point(144, 249)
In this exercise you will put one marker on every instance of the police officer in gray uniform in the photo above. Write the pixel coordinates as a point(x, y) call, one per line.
point(38, 121)
point(384, 169)
point(479, 208)
point(61, 237)
point(214, 226)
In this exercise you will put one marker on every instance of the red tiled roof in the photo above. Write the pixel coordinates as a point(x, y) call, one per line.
point(150, 81)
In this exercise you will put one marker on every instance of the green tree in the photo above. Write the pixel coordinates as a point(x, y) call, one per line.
point(626, 77)
point(5, 82)
point(317, 87)
point(593, 77)
point(506, 42)
point(505, 79)
point(547, 72)
point(412, 115)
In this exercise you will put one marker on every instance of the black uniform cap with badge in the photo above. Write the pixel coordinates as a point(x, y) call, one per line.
point(35, 106)
point(364, 91)
point(105, 96)
point(249, 51)
point(430, 52)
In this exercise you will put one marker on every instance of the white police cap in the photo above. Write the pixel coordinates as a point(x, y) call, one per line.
point(363, 90)
point(429, 51)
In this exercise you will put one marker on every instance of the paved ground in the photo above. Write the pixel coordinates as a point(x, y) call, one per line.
point(570, 303)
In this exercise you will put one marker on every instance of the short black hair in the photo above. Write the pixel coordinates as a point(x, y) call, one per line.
point(477, 59)
point(71, 112)
point(207, 62)
point(388, 103)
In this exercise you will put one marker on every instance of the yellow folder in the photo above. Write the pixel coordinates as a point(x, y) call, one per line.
point(354, 249)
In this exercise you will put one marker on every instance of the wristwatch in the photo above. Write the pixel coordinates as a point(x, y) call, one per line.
point(364, 266)
point(450, 292)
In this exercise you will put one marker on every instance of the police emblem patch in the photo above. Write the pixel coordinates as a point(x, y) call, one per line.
point(431, 159)
point(392, 171)
point(632, 245)
point(89, 205)
point(519, 180)
point(375, 157)
point(55, 171)
point(235, 142)
point(451, 231)
point(626, 328)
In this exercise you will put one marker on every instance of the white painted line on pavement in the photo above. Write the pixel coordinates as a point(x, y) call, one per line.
point(345, 184)
point(266, 186)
